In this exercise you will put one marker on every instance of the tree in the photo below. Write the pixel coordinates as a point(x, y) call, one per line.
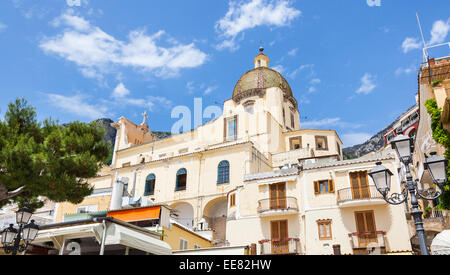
point(46, 159)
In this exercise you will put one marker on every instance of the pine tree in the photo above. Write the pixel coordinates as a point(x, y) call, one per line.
point(47, 160)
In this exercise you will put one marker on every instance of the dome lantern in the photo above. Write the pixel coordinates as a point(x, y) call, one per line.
point(261, 60)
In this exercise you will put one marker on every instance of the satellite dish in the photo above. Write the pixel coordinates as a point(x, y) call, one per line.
point(441, 243)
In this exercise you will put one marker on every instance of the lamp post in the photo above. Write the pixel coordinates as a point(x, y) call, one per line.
point(435, 165)
point(11, 237)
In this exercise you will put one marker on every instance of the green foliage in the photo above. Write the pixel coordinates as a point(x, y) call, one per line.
point(48, 159)
point(441, 136)
point(437, 82)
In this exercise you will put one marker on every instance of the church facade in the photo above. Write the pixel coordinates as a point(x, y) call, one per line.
point(254, 177)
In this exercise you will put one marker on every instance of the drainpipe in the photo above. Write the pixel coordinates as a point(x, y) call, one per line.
point(102, 247)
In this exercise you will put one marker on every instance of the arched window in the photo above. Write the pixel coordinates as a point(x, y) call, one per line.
point(181, 180)
point(150, 185)
point(223, 175)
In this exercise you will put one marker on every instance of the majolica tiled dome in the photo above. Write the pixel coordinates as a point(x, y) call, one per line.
point(261, 78)
point(256, 81)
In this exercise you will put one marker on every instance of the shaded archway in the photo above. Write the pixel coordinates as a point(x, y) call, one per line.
point(184, 214)
point(215, 214)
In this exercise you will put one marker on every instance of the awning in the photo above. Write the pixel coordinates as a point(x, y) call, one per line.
point(115, 234)
point(136, 214)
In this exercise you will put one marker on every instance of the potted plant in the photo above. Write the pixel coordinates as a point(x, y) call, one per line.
point(428, 211)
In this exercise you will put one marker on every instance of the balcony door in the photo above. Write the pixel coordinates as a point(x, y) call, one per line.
point(278, 196)
point(365, 226)
point(360, 185)
point(279, 235)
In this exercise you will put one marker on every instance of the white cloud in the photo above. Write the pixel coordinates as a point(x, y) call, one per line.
point(301, 68)
point(315, 81)
point(351, 139)
point(77, 105)
point(411, 44)
point(402, 70)
point(312, 89)
point(210, 90)
point(242, 16)
point(97, 52)
point(439, 32)
point(2, 26)
point(293, 52)
point(120, 91)
point(321, 123)
point(330, 123)
point(278, 68)
point(367, 84)
point(190, 87)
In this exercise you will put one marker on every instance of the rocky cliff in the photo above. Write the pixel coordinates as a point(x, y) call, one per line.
point(374, 144)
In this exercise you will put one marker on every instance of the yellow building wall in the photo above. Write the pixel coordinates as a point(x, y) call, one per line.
point(173, 235)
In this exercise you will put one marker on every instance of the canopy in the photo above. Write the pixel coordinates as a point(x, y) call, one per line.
point(115, 234)
point(441, 243)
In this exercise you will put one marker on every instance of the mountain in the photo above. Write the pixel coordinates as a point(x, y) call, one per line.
point(374, 144)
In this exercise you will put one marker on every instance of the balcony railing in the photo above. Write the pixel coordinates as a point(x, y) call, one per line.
point(350, 194)
point(280, 247)
point(288, 203)
point(367, 239)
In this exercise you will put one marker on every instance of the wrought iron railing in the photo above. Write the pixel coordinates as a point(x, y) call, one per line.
point(280, 246)
point(368, 239)
point(286, 203)
point(351, 194)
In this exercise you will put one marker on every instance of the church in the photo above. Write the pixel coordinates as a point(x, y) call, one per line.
point(255, 177)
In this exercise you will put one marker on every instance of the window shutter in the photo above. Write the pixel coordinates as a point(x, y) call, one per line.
point(224, 129)
point(236, 132)
point(316, 188)
point(331, 182)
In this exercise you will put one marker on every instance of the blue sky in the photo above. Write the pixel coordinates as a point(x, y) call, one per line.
point(352, 66)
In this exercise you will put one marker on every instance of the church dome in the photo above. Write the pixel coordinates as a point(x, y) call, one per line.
point(257, 80)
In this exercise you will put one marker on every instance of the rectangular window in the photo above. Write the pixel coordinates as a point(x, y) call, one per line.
point(183, 151)
point(87, 209)
point(321, 143)
point(231, 128)
point(183, 244)
point(295, 143)
point(127, 164)
point(323, 187)
point(324, 229)
point(232, 200)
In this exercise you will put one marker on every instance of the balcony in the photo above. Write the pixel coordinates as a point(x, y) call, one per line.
point(280, 247)
point(350, 197)
point(278, 206)
point(367, 242)
point(291, 157)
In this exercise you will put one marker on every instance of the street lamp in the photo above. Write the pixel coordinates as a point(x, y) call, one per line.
point(381, 176)
point(27, 232)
